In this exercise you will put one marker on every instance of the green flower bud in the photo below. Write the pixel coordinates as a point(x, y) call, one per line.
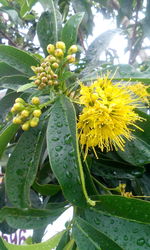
point(35, 100)
point(37, 113)
point(34, 122)
point(61, 45)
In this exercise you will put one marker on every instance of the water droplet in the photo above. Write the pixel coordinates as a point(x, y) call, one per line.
point(115, 229)
point(65, 166)
point(59, 132)
point(68, 174)
point(97, 221)
point(135, 230)
point(59, 124)
point(112, 222)
point(71, 153)
point(56, 154)
point(55, 138)
point(67, 138)
point(58, 148)
point(140, 242)
point(125, 237)
point(78, 180)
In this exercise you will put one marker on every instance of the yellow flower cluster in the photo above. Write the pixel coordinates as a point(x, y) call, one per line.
point(140, 90)
point(47, 73)
point(108, 116)
point(26, 114)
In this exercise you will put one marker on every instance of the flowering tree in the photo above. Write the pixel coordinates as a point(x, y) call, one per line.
point(74, 132)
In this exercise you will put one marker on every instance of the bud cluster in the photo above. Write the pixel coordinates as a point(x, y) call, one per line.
point(47, 74)
point(25, 114)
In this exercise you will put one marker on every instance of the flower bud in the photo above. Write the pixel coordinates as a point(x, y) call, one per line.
point(61, 45)
point(37, 113)
point(72, 50)
point(25, 113)
point(35, 100)
point(37, 82)
point(19, 100)
point(55, 65)
point(44, 79)
point(17, 120)
point(18, 106)
point(50, 48)
point(34, 122)
point(70, 58)
point(12, 110)
point(59, 53)
point(25, 126)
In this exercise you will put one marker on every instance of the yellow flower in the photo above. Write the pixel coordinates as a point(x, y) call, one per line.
point(107, 116)
point(140, 90)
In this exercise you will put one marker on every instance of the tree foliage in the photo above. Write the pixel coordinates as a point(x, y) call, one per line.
point(47, 165)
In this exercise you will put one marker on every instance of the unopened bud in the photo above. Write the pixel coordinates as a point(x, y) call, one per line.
point(59, 53)
point(72, 50)
point(35, 100)
point(61, 45)
point(50, 48)
point(37, 113)
point(34, 122)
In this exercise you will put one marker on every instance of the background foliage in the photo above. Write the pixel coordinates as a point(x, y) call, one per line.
point(37, 191)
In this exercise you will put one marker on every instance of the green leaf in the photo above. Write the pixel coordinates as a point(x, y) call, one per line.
point(6, 103)
point(48, 27)
point(6, 135)
point(70, 30)
point(127, 234)
point(136, 152)
point(22, 166)
point(63, 149)
point(47, 245)
point(4, 2)
point(26, 7)
point(13, 82)
point(63, 241)
point(30, 218)
point(18, 59)
point(26, 86)
point(88, 237)
point(2, 246)
point(127, 208)
point(46, 189)
point(6, 70)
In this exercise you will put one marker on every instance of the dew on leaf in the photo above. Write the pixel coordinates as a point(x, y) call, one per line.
point(67, 139)
point(140, 242)
point(58, 148)
point(68, 174)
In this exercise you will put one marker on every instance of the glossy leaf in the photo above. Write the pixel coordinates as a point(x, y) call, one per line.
point(13, 82)
point(29, 218)
point(18, 59)
point(70, 30)
point(128, 208)
point(136, 152)
point(88, 237)
point(47, 245)
point(6, 103)
point(2, 246)
point(22, 166)
point(127, 234)
point(49, 26)
point(63, 241)
point(6, 70)
point(25, 87)
point(6, 135)
point(46, 189)
point(63, 149)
